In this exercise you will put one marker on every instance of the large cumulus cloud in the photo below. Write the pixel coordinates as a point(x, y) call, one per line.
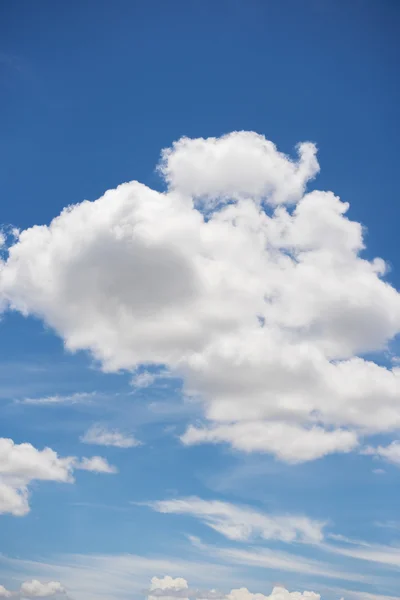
point(254, 291)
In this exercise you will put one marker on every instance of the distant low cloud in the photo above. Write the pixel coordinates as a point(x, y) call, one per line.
point(35, 589)
point(171, 588)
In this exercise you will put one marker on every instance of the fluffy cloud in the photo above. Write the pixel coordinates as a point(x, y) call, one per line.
point(35, 589)
point(263, 309)
point(168, 587)
point(240, 165)
point(242, 523)
point(22, 464)
point(102, 436)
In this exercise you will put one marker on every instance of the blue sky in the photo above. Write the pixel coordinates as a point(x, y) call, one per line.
point(210, 356)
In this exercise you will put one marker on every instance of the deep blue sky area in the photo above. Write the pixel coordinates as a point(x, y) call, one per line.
point(91, 91)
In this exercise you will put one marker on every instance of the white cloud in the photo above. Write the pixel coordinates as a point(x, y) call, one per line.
point(22, 464)
point(95, 464)
point(4, 593)
point(263, 312)
point(101, 436)
point(244, 523)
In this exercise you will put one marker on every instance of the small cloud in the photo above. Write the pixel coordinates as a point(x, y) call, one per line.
point(102, 436)
point(143, 380)
point(379, 471)
point(96, 464)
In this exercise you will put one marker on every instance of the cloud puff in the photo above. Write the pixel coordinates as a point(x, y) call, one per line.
point(36, 589)
point(102, 436)
point(168, 587)
point(21, 464)
point(243, 523)
point(263, 309)
point(239, 165)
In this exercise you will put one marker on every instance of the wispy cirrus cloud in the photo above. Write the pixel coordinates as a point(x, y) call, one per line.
point(244, 523)
point(57, 399)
